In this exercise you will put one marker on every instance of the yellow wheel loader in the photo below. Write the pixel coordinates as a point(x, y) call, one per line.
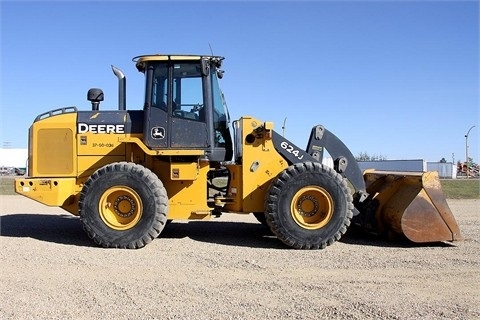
point(126, 173)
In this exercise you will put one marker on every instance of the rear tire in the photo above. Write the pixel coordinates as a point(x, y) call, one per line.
point(309, 206)
point(123, 205)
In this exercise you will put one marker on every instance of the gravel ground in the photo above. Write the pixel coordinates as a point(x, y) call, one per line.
point(229, 268)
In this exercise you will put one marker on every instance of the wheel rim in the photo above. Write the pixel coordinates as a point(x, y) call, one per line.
point(120, 208)
point(312, 207)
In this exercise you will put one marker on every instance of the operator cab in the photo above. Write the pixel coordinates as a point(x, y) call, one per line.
point(184, 106)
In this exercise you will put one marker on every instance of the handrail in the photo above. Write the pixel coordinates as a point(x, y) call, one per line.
point(55, 113)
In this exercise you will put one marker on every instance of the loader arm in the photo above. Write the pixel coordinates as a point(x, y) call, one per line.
point(321, 139)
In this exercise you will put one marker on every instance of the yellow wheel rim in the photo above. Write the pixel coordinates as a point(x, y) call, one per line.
point(120, 208)
point(312, 207)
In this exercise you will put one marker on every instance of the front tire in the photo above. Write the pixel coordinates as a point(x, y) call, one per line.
point(123, 205)
point(309, 206)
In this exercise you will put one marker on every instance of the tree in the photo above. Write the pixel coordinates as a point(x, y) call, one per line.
point(473, 167)
point(364, 156)
point(471, 163)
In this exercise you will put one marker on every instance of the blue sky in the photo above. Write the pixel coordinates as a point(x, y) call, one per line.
point(393, 78)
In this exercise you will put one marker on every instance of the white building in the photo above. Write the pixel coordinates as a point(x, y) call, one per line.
point(16, 158)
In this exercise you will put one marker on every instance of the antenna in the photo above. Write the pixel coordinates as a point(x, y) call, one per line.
point(283, 127)
point(211, 50)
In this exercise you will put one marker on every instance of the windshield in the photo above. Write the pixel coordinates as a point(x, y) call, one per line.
point(221, 117)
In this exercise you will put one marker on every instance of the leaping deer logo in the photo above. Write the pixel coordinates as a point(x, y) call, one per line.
point(158, 132)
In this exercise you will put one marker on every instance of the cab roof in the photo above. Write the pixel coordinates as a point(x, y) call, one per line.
point(141, 60)
point(172, 57)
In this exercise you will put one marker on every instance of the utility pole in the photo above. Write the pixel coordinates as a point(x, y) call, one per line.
point(466, 150)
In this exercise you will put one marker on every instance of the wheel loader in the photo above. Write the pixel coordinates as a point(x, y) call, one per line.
point(126, 173)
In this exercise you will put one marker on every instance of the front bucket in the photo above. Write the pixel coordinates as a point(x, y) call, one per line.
point(412, 204)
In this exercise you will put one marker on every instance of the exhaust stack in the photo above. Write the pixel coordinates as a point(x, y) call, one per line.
point(122, 88)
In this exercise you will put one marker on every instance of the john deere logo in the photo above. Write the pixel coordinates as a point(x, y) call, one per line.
point(100, 128)
point(158, 132)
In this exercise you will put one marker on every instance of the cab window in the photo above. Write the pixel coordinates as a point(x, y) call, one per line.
point(220, 115)
point(187, 101)
point(160, 87)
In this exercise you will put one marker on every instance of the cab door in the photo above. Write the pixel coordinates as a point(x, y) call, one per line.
point(189, 129)
point(175, 107)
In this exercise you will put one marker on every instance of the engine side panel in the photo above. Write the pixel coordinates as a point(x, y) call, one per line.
point(52, 147)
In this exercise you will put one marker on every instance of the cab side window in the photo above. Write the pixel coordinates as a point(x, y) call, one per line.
point(187, 92)
point(160, 87)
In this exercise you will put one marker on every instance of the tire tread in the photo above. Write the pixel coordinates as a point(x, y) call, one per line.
point(275, 193)
point(159, 195)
